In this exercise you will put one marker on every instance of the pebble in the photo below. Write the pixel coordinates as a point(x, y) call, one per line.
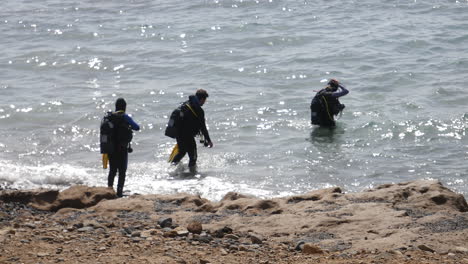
point(136, 239)
point(93, 223)
point(195, 227)
point(127, 230)
point(231, 236)
point(78, 225)
point(243, 248)
point(256, 239)
point(221, 232)
point(110, 225)
point(395, 252)
point(85, 229)
point(30, 225)
point(146, 234)
point(254, 248)
point(309, 248)
point(183, 233)
point(165, 222)
point(426, 248)
point(459, 250)
point(136, 234)
point(203, 238)
point(233, 247)
point(299, 246)
point(171, 233)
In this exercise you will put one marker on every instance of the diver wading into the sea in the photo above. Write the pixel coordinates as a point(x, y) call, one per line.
point(325, 104)
point(116, 135)
point(186, 122)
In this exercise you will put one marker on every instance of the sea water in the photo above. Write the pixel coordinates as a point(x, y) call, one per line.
point(64, 63)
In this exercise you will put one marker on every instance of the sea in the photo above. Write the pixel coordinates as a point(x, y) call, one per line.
point(64, 63)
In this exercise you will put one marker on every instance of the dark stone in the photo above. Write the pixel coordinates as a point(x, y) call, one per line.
point(223, 231)
point(256, 239)
point(439, 199)
point(78, 225)
point(426, 248)
point(299, 246)
point(165, 222)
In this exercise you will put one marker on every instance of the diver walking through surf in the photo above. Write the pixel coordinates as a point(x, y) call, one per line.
point(186, 122)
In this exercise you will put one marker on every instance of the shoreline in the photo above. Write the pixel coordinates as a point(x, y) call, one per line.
point(392, 223)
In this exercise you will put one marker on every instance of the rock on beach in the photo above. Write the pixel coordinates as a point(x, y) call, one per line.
point(409, 220)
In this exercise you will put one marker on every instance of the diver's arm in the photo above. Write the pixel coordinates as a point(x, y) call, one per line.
point(343, 91)
point(203, 128)
point(205, 133)
point(132, 123)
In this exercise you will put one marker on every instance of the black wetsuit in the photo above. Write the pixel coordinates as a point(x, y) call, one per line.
point(193, 122)
point(325, 105)
point(118, 159)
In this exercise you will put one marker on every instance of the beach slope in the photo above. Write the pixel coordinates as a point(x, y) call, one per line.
point(412, 222)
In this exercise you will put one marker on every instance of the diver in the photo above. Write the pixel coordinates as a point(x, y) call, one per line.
point(123, 125)
point(325, 104)
point(190, 125)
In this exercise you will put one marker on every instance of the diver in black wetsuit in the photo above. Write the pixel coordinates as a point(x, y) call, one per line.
point(325, 104)
point(118, 159)
point(192, 124)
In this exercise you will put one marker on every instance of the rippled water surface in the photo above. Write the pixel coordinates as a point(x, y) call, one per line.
point(64, 63)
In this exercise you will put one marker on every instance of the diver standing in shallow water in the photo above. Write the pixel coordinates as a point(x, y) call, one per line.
point(325, 104)
point(191, 123)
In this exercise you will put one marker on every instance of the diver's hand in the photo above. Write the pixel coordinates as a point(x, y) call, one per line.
point(209, 144)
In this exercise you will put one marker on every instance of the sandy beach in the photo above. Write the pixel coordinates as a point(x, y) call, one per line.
point(412, 222)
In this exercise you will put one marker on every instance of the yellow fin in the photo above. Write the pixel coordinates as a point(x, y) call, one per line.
point(105, 160)
point(174, 152)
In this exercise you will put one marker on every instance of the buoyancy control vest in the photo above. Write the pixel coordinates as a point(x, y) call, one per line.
point(115, 133)
point(185, 120)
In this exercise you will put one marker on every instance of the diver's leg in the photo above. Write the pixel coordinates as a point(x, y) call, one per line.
point(123, 163)
point(181, 143)
point(192, 152)
point(112, 170)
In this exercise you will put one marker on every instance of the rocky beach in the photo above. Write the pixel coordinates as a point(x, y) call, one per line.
point(411, 222)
